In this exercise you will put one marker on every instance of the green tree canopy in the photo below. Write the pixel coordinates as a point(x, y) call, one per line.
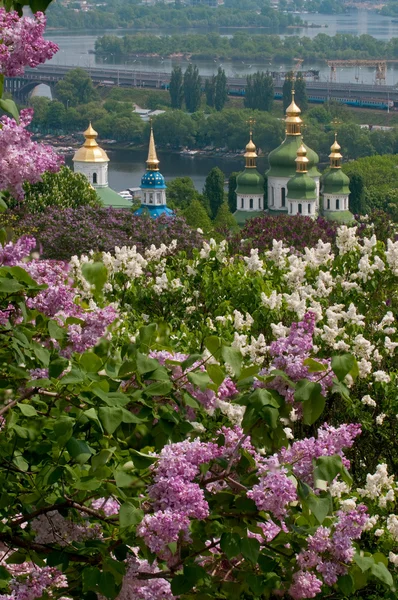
point(214, 189)
point(192, 88)
point(224, 218)
point(77, 87)
point(196, 216)
point(176, 88)
point(181, 192)
point(65, 189)
point(259, 91)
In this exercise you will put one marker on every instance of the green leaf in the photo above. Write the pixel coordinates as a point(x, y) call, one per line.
point(328, 467)
point(250, 548)
point(380, 571)
point(127, 368)
point(200, 378)
point(9, 286)
point(41, 353)
point(363, 562)
point(91, 362)
point(233, 358)
point(63, 429)
point(148, 336)
point(216, 373)
point(107, 585)
point(75, 375)
point(96, 274)
point(100, 459)
point(146, 364)
point(141, 460)
point(91, 577)
point(342, 365)
point(56, 332)
point(314, 366)
point(10, 107)
point(181, 584)
point(346, 585)
point(129, 515)
point(57, 366)
point(230, 544)
point(159, 388)
point(313, 409)
point(110, 418)
point(306, 390)
point(319, 506)
point(27, 410)
point(78, 450)
point(213, 345)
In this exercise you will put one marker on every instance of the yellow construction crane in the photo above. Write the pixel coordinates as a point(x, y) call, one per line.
point(380, 64)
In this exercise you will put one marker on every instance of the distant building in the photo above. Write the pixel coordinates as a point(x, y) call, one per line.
point(153, 186)
point(92, 161)
point(335, 189)
point(249, 187)
point(302, 198)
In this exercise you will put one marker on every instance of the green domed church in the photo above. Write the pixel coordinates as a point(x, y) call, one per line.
point(282, 162)
point(301, 188)
point(335, 188)
point(249, 187)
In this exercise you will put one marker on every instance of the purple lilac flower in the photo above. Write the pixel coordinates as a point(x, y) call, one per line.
point(22, 43)
point(163, 527)
point(21, 159)
point(305, 585)
point(274, 492)
point(109, 506)
point(14, 252)
point(144, 589)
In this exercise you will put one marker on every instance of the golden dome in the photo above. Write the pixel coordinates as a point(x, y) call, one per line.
point(90, 151)
point(302, 160)
point(152, 162)
point(335, 154)
point(293, 120)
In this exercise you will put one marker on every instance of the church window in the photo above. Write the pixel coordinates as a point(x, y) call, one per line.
point(95, 178)
point(158, 198)
point(251, 202)
point(290, 207)
point(300, 209)
point(309, 209)
point(242, 203)
point(150, 198)
point(337, 204)
point(328, 204)
point(259, 203)
point(283, 204)
point(273, 196)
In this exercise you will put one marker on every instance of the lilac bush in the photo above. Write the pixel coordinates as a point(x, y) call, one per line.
point(295, 231)
point(61, 234)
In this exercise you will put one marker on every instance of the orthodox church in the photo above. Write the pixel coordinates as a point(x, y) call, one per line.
point(294, 184)
point(92, 161)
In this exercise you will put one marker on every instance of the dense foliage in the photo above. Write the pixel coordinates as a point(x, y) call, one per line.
point(243, 45)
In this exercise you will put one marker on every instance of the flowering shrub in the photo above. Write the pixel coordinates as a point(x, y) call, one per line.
point(295, 231)
point(62, 233)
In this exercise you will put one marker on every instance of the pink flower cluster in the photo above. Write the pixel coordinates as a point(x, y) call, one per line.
point(275, 490)
point(289, 354)
point(144, 589)
point(58, 299)
point(330, 440)
point(108, 506)
point(29, 581)
point(22, 43)
point(53, 528)
point(176, 497)
point(329, 551)
point(22, 159)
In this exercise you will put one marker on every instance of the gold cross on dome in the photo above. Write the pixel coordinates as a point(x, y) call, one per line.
point(336, 122)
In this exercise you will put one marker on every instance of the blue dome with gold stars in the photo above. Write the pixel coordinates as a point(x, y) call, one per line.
point(153, 180)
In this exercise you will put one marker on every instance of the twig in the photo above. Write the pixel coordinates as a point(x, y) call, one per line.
point(11, 404)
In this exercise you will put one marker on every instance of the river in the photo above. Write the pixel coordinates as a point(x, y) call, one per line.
point(76, 48)
point(126, 167)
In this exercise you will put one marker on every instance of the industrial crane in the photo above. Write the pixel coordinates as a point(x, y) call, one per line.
point(380, 64)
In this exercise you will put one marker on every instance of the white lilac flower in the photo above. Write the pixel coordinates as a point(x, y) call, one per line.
point(253, 262)
point(346, 239)
point(381, 377)
point(273, 301)
point(390, 346)
point(379, 532)
point(380, 418)
point(392, 526)
point(368, 401)
point(393, 558)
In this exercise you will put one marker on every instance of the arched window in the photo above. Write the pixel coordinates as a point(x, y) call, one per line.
point(337, 204)
point(273, 196)
point(283, 203)
point(259, 204)
point(300, 209)
point(158, 198)
point(290, 207)
point(242, 203)
point(95, 178)
point(150, 198)
point(251, 203)
point(328, 207)
point(309, 209)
